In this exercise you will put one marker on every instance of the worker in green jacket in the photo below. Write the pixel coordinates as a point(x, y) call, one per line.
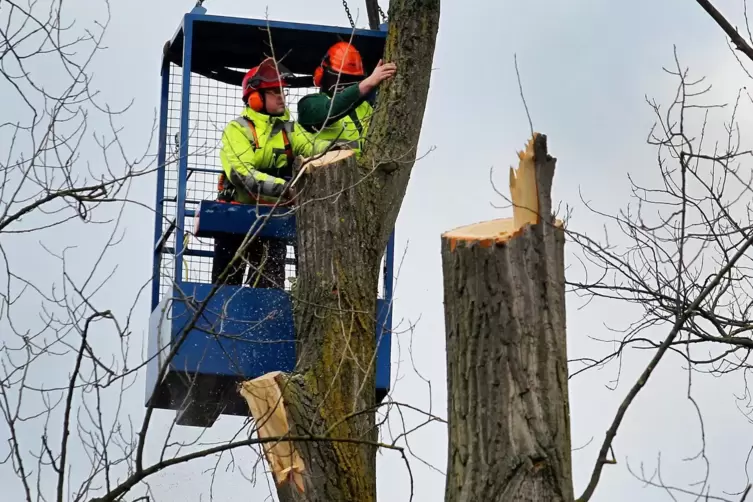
point(341, 111)
point(258, 149)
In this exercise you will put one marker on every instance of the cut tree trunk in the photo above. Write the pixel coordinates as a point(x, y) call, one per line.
point(504, 291)
point(335, 308)
point(346, 214)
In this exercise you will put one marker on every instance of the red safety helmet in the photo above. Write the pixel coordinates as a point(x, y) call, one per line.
point(268, 75)
point(342, 58)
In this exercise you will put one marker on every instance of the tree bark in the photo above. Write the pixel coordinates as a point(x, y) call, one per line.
point(504, 289)
point(346, 214)
point(391, 144)
point(335, 307)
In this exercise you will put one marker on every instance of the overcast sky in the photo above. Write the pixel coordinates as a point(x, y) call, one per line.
point(586, 68)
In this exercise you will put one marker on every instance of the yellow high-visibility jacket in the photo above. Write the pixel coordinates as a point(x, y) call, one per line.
point(257, 154)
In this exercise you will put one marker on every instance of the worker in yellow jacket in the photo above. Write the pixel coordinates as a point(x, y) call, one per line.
point(341, 111)
point(258, 149)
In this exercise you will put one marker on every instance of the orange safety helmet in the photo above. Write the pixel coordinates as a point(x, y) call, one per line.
point(341, 58)
point(268, 75)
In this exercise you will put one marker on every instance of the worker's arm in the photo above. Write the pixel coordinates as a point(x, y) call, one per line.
point(382, 72)
point(307, 144)
point(239, 153)
point(317, 111)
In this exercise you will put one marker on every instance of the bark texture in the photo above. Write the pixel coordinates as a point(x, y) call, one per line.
point(391, 145)
point(346, 214)
point(509, 430)
point(338, 264)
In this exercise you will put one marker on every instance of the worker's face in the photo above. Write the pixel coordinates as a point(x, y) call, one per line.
point(275, 101)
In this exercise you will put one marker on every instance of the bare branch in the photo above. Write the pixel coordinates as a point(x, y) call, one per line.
point(741, 44)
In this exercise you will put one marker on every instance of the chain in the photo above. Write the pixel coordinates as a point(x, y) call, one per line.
point(347, 11)
point(381, 13)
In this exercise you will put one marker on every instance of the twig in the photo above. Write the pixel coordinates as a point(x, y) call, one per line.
point(522, 97)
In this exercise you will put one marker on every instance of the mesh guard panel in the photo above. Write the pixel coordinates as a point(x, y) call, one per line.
point(212, 105)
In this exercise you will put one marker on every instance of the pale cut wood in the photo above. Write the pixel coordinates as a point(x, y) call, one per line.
point(504, 295)
point(325, 159)
point(264, 398)
point(329, 158)
point(524, 193)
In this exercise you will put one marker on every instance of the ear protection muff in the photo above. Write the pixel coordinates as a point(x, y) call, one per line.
point(319, 72)
point(256, 101)
point(255, 98)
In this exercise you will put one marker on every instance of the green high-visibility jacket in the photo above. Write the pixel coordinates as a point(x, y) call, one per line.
point(343, 119)
point(259, 163)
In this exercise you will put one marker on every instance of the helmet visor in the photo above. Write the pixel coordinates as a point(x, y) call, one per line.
point(332, 81)
point(270, 74)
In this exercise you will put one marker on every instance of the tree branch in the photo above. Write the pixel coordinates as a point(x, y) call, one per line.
point(138, 476)
point(641, 382)
point(741, 44)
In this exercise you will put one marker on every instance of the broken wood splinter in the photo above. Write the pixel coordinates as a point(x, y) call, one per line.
point(524, 191)
point(264, 398)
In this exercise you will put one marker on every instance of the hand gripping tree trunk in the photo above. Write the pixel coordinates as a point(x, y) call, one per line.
point(347, 210)
point(509, 430)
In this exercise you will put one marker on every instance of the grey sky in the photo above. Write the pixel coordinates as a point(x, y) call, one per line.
point(586, 67)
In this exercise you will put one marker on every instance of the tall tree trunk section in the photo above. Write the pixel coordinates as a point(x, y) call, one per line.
point(391, 145)
point(504, 289)
point(347, 211)
point(335, 302)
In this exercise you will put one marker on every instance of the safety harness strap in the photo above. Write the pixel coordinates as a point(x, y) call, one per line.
point(354, 117)
point(287, 128)
point(249, 126)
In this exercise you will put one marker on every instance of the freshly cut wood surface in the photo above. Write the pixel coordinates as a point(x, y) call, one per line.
point(524, 190)
point(329, 158)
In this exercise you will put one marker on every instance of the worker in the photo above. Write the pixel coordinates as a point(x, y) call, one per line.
point(341, 111)
point(258, 149)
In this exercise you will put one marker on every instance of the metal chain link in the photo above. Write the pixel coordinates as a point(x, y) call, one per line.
point(381, 13)
point(347, 11)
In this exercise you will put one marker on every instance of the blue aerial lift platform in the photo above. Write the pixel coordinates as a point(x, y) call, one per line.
point(221, 335)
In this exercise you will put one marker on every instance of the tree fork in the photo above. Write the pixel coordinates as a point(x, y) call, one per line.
point(504, 289)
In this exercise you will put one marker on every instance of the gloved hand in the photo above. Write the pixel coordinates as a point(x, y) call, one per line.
point(270, 187)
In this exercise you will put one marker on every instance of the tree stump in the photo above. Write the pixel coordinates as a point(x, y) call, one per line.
point(504, 292)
